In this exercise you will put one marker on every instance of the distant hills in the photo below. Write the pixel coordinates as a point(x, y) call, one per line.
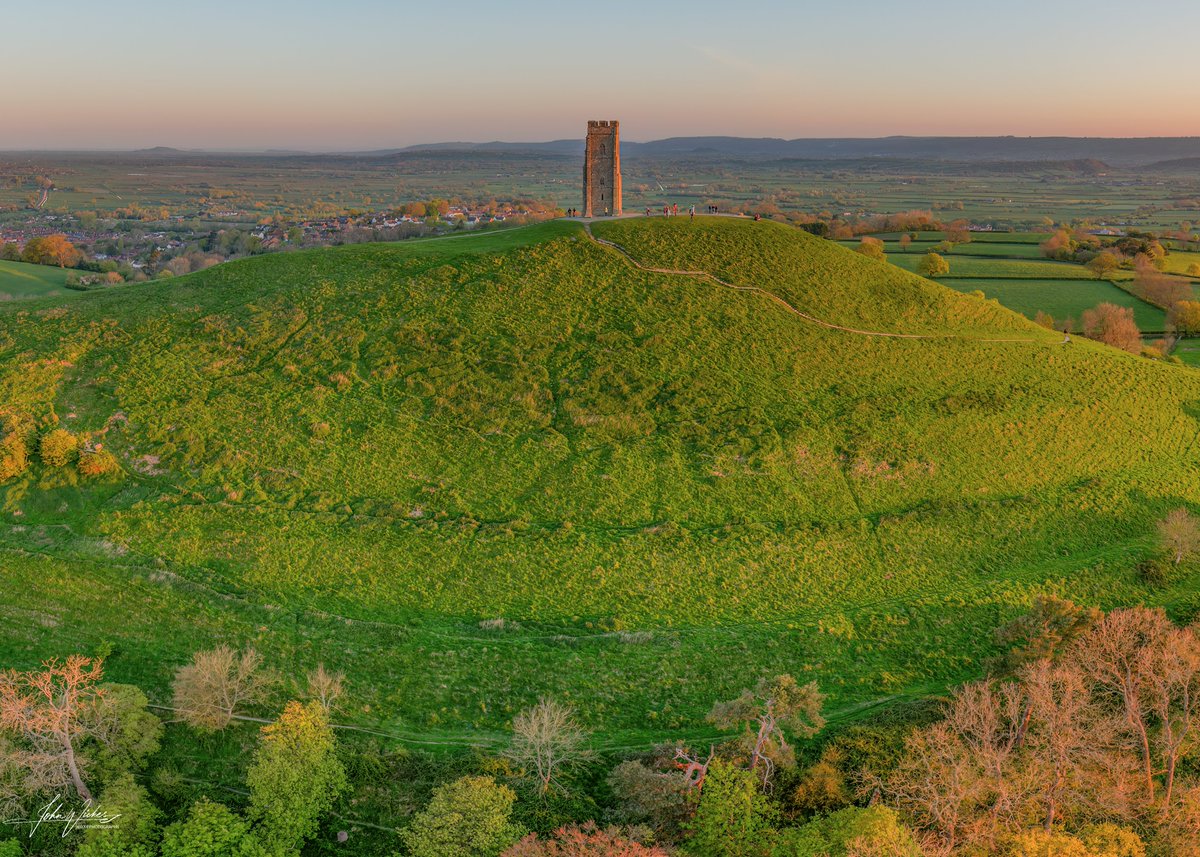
point(1114, 151)
point(1073, 154)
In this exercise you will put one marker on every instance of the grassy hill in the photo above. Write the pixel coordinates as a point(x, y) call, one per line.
point(20, 280)
point(663, 486)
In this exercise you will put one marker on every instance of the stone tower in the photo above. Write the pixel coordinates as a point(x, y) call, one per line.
point(602, 170)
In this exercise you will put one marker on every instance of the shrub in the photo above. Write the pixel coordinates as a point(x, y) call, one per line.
point(1154, 571)
point(96, 462)
point(1112, 840)
point(14, 456)
point(874, 830)
point(58, 448)
point(1038, 843)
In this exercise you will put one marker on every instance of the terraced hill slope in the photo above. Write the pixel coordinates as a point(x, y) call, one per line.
point(648, 487)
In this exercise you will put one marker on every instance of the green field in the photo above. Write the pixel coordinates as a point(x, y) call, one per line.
point(1060, 298)
point(20, 280)
point(968, 266)
point(661, 484)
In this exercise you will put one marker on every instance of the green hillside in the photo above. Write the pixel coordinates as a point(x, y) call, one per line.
point(21, 280)
point(661, 484)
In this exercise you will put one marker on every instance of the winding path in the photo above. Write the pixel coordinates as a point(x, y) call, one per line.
point(705, 275)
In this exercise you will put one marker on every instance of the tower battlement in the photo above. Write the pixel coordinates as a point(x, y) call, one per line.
point(602, 169)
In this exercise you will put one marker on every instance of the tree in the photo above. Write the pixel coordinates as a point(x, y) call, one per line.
point(586, 840)
point(123, 730)
point(47, 708)
point(905, 242)
point(1113, 325)
point(956, 777)
point(734, 819)
point(1060, 245)
point(469, 817)
point(872, 248)
point(1045, 632)
point(1184, 318)
point(211, 830)
point(1160, 289)
point(933, 265)
point(774, 705)
point(1113, 654)
point(1067, 741)
point(325, 687)
point(661, 799)
point(211, 690)
point(1171, 680)
point(547, 739)
point(136, 832)
point(296, 775)
point(51, 250)
point(1179, 534)
point(58, 447)
point(10, 252)
point(1193, 270)
point(1103, 264)
point(1044, 319)
point(959, 232)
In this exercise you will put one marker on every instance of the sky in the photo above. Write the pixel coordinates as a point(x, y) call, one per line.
point(369, 74)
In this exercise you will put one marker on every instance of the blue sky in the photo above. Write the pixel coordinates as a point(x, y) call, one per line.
point(367, 74)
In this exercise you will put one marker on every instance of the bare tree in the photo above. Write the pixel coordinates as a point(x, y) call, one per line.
point(1067, 742)
point(1113, 655)
point(959, 778)
point(1180, 534)
point(214, 687)
point(1171, 674)
point(46, 708)
point(773, 705)
point(326, 687)
point(547, 739)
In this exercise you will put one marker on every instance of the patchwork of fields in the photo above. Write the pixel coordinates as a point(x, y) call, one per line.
point(659, 484)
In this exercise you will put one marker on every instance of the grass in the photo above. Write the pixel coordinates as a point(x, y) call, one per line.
point(19, 280)
point(363, 455)
point(1061, 298)
point(969, 266)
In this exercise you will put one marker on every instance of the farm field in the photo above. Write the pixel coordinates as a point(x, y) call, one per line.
point(969, 266)
point(1060, 298)
point(216, 188)
point(19, 280)
point(460, 469)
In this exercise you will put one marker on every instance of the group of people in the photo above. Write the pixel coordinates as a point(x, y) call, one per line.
point(673, 211)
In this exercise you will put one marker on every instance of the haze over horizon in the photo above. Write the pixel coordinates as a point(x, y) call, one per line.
point(370, 75)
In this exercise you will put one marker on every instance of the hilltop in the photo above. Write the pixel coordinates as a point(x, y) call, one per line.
point(472, 471)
